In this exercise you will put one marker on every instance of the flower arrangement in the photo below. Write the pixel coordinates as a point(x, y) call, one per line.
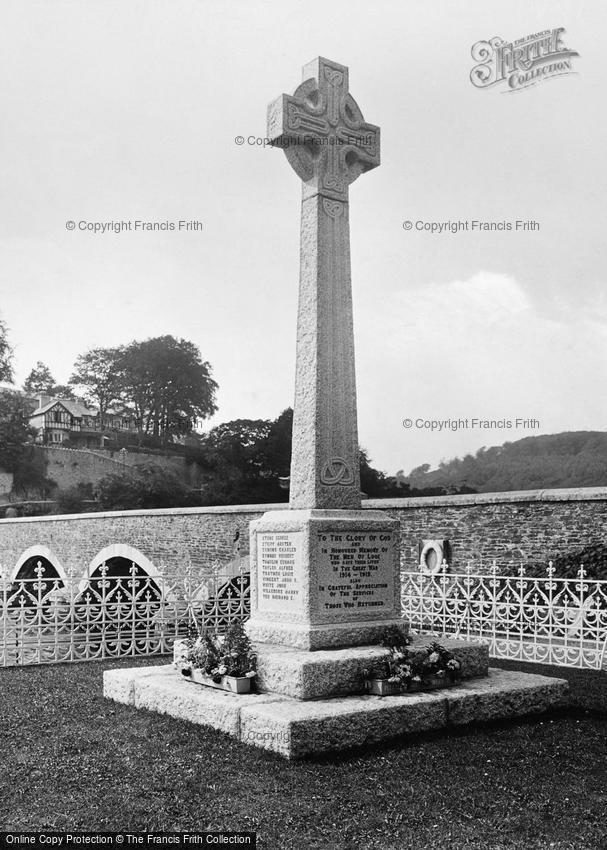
point(403, 670)
point(439, 662)
point(400, 667)
point(218, 655)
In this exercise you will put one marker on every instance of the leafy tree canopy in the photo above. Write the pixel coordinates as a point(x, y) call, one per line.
point(15, 430)
point(97, 376)
point(6, 354)
point(39, 380)
point(64, 391)
point(246, 458)
point(169, 385)
point(278, 443)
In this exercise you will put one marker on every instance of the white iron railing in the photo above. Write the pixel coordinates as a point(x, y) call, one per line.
point(43, 620)
point(542, 619)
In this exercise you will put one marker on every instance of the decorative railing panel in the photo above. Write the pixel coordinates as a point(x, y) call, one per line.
point(543, 619)
point(112, 616)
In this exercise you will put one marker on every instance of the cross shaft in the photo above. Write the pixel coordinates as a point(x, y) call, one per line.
point(328, 143)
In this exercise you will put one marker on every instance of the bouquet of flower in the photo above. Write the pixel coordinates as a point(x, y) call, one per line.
point(220, 655)
point(414, 670)
point(400, 665)
point(439, 661)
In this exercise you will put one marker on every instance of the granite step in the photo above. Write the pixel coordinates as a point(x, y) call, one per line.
point(295, 728)
point(338, 672)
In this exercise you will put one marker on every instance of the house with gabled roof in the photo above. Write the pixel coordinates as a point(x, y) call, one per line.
point(60, 420)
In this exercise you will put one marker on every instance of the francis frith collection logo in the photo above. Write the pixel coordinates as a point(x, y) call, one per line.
point(521, 63)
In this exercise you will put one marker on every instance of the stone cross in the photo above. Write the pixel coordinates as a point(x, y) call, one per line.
point(326, 140)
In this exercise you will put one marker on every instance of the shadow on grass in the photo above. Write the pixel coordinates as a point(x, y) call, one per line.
point(75, 761)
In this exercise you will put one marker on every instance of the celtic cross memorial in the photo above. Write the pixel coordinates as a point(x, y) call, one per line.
point(328, 144)
point(324, 573)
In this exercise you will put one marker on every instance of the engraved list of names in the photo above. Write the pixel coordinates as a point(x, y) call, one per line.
point(279, 571)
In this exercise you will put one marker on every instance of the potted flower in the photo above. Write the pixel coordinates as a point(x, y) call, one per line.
point(440, 668)
point(394, 674)
point(219, 661)
point(404, 671)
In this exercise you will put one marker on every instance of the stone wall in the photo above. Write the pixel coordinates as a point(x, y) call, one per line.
point(171, 541)
point(510, 528)
point(6, 484)
point(68, 467)
point(507, 527)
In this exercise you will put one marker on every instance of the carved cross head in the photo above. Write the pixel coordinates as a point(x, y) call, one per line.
point(322, 131)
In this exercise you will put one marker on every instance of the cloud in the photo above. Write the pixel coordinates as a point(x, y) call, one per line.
point(484, 299)
point(481, 347)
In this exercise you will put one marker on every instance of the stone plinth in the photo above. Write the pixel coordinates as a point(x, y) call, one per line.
point(295, 728)
point(339, 672)
point(324, 578)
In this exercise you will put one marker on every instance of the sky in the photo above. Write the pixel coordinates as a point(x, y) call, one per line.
point(128, 110)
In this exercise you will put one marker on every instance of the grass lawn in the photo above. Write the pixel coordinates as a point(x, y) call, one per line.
point(71, 760)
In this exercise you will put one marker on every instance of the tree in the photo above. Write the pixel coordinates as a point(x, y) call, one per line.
point(278, 448)
point(30, 479)
point(17, 453)
point(240, 443)
point(571, 459)
point(6, 354)
point(15, 429)
point(237, 464)
point(63, 391)
point(245, 458)
point(98, 375)
point(372, 481)
point(169, 385)
point(39, 380)
point(76, 499)
point(143, 486)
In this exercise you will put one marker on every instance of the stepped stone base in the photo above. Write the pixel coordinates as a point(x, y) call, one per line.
point(295, 728)
point(339, 672)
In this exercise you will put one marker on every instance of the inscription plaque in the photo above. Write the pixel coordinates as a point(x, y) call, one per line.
point(279, 571)
point(355, 572)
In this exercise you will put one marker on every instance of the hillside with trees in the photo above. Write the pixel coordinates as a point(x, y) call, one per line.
point(570, 459)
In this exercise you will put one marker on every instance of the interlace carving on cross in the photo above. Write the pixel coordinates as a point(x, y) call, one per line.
point(323, 133)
